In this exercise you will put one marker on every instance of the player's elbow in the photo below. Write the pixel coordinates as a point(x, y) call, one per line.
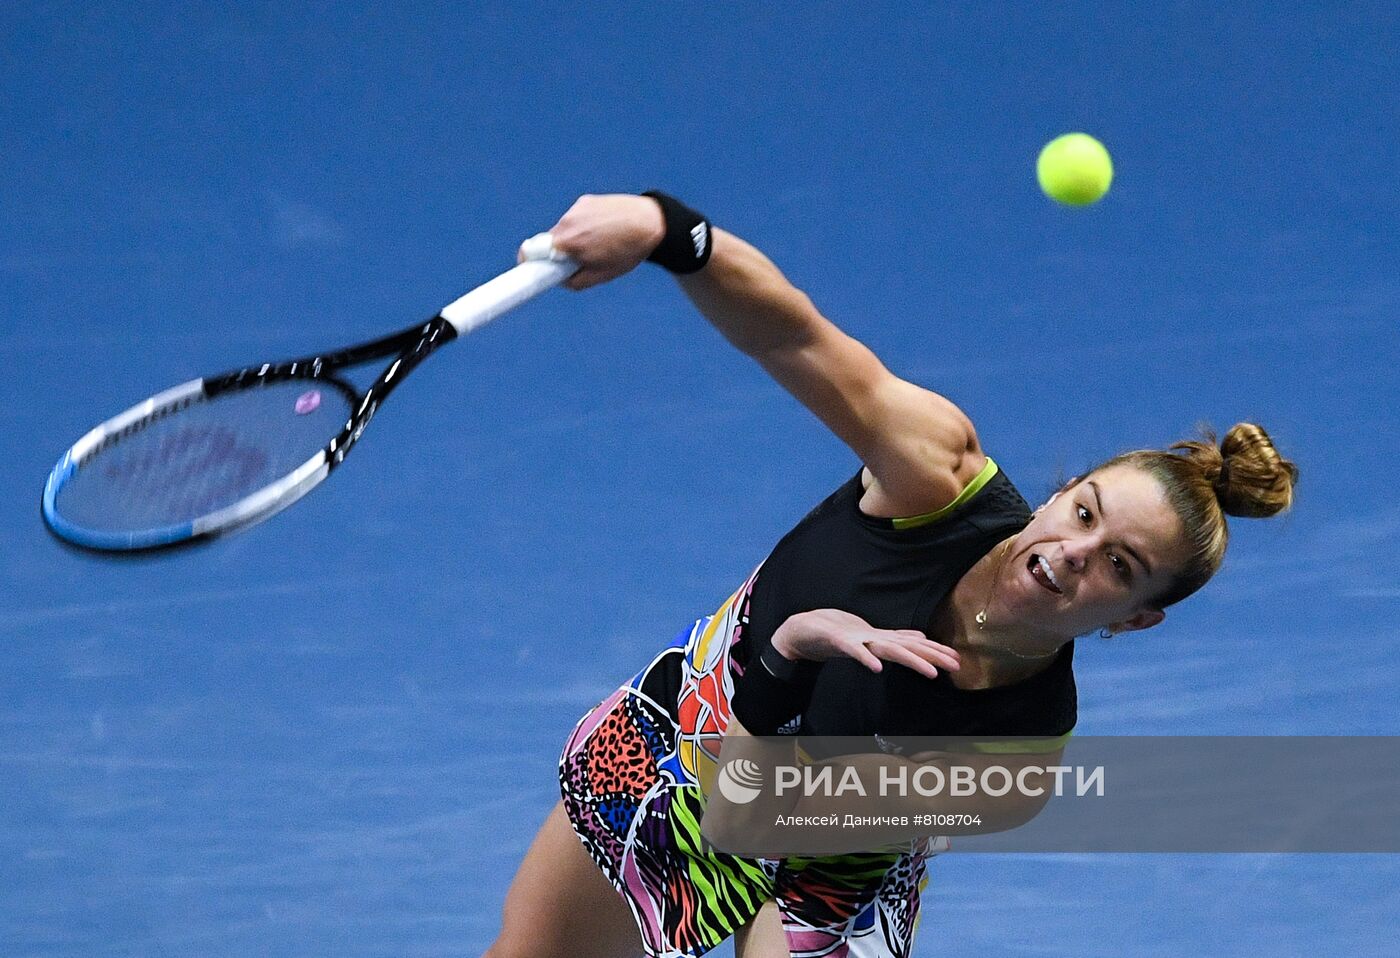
point(1009, 812)
point(744, 830)
point(1015, 811)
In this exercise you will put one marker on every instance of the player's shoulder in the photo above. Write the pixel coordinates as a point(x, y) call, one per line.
point(918, 491)
point(929, 454)
point(919, 414)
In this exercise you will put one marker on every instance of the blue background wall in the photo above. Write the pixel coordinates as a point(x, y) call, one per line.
point(336, 732)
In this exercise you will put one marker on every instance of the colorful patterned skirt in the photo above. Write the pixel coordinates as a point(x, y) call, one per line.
point(630, 775)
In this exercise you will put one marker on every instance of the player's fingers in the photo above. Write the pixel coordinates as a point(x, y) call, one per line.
point(915, 635)
point(941, 655)
point(938, 657)
point(586, 278)
point(895, 652)
point(860, 651)
point(923, 644)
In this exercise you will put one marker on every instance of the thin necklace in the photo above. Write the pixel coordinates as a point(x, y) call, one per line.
point(991, 586)
point(981, 617)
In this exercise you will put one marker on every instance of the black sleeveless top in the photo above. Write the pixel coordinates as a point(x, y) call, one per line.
point(894, 577)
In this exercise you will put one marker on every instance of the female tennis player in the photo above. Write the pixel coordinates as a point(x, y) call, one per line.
point(923, 597)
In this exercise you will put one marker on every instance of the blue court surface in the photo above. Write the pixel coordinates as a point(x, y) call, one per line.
point(335, 734)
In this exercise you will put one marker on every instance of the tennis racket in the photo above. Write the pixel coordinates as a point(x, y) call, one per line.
point(216, 454)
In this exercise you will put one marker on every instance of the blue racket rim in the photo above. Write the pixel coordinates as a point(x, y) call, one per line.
point(256, 505)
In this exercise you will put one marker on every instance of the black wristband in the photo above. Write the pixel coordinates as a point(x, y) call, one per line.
point(686, 245)
point(768, 705)
point(771, 695)
point(799, 672)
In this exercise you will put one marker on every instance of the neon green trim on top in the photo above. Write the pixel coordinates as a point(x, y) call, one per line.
point(970, 490)
point(1023, 746)
point(1043, 745)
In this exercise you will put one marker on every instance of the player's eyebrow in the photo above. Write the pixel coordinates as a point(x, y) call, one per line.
point(1098, 500)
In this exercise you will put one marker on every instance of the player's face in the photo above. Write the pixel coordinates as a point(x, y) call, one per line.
point(1096, 555)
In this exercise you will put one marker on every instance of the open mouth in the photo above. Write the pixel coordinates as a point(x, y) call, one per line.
point(1041, 572)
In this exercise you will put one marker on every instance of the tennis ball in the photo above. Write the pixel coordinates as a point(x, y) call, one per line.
point(1074, 169)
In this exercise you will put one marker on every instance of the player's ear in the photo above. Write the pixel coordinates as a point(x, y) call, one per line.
point(1145, 619)
point(1073, 481)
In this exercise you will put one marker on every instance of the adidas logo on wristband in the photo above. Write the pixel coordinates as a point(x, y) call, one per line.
point(700, 236)
point(685, 248)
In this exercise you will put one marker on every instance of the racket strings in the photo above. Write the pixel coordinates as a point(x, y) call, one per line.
point(193, 459)
point(134, 427)
point(199, 468)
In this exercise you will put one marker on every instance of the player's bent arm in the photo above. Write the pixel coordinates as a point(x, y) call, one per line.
point(728, 825)
point(920, 448)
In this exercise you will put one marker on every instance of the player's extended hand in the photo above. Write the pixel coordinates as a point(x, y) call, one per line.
point(827, 633)
point(607, 236)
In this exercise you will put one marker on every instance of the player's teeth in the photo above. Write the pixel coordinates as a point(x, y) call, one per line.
point(1049, 573)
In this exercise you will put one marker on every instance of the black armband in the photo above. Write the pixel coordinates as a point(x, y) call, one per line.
point(686, 246)
point(798, 672)
point(771, 695)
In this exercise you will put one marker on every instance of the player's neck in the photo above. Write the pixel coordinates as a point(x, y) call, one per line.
point(991, 654)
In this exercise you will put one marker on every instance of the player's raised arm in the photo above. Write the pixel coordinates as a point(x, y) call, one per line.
point(920, 448)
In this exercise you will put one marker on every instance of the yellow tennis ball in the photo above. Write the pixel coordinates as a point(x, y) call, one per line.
point(1074, 169)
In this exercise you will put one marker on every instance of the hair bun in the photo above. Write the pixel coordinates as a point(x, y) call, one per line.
point(1253, 480)
point(1220, 482)
point(1249, 477)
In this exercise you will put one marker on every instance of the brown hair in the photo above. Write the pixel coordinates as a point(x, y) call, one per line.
point(1241, 476)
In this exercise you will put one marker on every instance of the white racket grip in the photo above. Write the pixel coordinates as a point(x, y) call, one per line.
point(542, 269)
